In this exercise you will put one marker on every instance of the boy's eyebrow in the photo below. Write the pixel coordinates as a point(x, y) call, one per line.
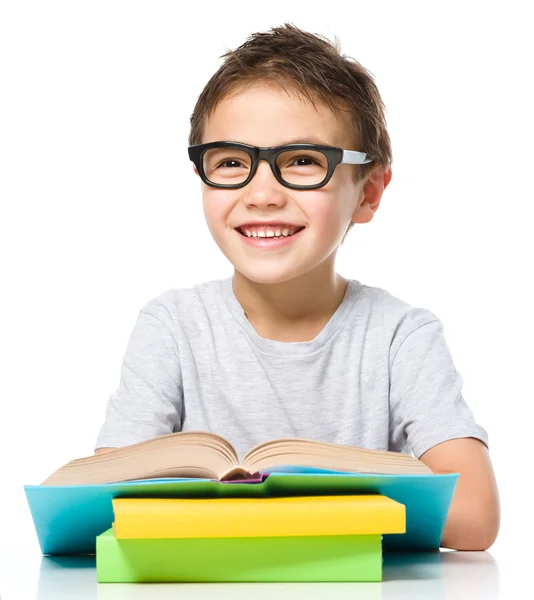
point(306, 140)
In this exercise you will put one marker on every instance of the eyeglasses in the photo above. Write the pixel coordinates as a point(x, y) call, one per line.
point(231, 165)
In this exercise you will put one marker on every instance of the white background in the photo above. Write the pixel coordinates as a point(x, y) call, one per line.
point(101, 210)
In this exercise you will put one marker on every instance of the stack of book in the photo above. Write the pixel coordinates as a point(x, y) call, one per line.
point(183, 507)
point(308, 538)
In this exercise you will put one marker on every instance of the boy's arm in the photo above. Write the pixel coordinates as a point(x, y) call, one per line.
point(474, 516)
point(148, 402)
point(429, 415)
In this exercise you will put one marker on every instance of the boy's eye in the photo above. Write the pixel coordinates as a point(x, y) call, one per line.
point(293, 158)
point(230, 162)
point(296, 161)
point(304, 161)
point(220, 160)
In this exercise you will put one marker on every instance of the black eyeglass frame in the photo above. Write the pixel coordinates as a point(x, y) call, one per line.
point(335, 156)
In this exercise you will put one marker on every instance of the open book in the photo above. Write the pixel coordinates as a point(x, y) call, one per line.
point(210, 456)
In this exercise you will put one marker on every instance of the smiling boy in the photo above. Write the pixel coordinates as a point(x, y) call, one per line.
point(290, 142)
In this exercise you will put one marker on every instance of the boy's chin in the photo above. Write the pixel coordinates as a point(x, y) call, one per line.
point(263, 275)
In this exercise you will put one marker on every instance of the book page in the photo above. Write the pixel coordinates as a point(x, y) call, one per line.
point(181, 454)
point(311, 453)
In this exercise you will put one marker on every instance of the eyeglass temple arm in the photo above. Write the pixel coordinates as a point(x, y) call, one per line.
point(353, 157)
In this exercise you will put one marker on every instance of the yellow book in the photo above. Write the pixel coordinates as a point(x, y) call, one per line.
point(256, 517)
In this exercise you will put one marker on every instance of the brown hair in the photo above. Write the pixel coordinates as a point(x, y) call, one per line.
point(311, 66)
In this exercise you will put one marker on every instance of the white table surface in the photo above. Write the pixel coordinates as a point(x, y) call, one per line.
point(25, 574)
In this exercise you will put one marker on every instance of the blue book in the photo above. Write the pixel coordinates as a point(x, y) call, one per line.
point(68, 518)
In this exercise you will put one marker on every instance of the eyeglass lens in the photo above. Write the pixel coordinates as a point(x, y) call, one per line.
point(229, 166)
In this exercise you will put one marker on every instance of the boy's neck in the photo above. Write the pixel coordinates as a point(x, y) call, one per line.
point(292, 311)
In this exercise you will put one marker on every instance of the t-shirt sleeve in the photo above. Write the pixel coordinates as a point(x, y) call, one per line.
point(426, 402)
point(148, 402)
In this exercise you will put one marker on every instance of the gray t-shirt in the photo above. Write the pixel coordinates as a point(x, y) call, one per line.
point(379, 375)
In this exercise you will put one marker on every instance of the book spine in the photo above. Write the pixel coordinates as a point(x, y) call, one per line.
point(241, 474)
point(259, 478)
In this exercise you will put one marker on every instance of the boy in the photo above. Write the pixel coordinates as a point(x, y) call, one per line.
point(286, 347)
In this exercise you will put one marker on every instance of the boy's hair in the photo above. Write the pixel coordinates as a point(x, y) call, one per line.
point(310, 66)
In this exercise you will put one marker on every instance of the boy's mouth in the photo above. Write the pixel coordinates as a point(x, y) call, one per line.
point(270, 237)
point(271, 231)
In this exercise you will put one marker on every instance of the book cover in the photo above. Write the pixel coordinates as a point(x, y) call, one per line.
point(155, 518)
point(250, 559)
point(67, 519)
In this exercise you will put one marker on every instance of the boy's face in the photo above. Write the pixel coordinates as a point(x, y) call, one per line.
point(263, 116)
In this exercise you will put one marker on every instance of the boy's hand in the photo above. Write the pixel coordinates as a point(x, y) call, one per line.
point(102, 450)
point(474, 516)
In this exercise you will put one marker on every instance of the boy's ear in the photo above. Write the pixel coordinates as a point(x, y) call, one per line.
point(195, 169)
point(372, 191)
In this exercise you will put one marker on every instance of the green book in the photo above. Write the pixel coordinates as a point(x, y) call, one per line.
point(255, 559)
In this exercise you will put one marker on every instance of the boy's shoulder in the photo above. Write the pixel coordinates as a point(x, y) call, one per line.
point(400, 319)
point(394, 309)
point(171, 296)
point(183, 301)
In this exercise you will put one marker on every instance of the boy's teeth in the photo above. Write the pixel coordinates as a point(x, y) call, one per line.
point(267, 233)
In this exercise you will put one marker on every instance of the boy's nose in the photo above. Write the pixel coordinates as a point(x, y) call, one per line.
point(264, 189)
